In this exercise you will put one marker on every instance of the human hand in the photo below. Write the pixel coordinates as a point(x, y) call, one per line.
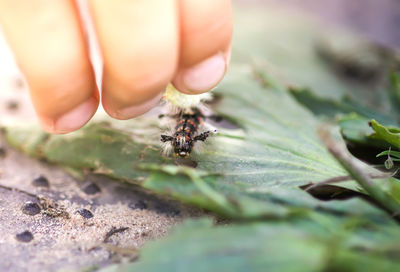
point(145, 44)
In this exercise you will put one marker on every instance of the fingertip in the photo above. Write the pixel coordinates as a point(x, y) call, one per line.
point(139, 41)
point(133, 110)
point(72, 120)
point(203, 76)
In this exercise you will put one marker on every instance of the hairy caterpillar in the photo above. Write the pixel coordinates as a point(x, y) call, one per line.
point(189, 120)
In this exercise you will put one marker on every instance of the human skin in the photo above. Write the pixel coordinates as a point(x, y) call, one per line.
point(145, 44)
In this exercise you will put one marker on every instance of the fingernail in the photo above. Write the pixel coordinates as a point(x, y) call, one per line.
point(205, 75)
point(134, 111)
point(76, 118)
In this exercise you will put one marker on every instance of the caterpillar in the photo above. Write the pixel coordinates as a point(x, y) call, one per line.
point(189, 120)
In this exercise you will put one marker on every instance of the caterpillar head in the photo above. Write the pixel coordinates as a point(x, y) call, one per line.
point(182, 146)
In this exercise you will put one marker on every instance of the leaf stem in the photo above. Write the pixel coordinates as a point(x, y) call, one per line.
point(357, 171)
point(339, 179)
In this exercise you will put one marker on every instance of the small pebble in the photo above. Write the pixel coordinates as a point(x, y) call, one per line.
point(167, 210)
point(31, 208)
point(91, 189)
point(85, 213)
point(141, 205)
point(40, 181)
point(12, 105)
point(3, 152)
point(25, 236)
point(18, 83)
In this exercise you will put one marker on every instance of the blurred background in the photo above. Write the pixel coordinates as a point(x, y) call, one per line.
point(377, 19)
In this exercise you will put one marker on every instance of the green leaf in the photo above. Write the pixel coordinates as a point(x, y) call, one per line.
point(355, 129)
point(328, 244)
point(29, 139)
point(353, 118)
point(395, 154)
point(278, 151)
point(389, 163)
point(333, 108)
point(390, 135)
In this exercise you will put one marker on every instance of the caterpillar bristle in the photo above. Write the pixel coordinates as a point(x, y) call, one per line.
point(188, 113)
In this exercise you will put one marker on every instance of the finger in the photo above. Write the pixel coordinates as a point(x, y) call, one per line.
point(139, 44)
point(48, 43)
point(206, 33)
